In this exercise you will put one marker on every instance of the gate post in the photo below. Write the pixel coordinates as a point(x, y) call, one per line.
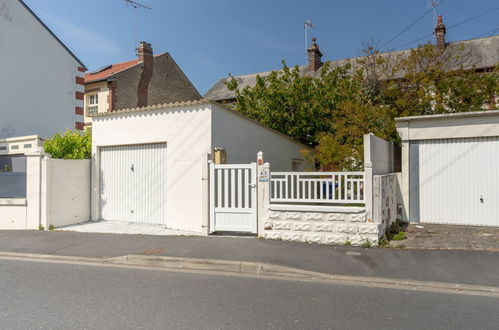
point(263, 192)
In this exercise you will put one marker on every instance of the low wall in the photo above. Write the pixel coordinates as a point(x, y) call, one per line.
point(68, 192)
point(320, 224)
point(13, 213)
point(385, 191)
point(57, 194)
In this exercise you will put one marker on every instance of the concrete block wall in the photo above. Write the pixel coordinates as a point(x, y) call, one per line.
point(326, 225)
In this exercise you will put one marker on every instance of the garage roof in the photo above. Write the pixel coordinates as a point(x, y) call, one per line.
point(450, 115)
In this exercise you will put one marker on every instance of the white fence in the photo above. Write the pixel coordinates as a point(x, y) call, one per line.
point(317, 187)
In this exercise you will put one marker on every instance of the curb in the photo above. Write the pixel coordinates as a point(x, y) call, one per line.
point(272, 271)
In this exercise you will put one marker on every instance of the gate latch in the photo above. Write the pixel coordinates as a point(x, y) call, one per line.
point(131, 168)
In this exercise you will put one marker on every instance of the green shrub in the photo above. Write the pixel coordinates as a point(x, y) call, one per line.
point(51, 227)
point(41, 227)
point(366, 244)
point(71, 145)
point(383, 241)
point(399, 236)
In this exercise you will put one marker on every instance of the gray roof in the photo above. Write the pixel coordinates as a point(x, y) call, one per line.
point(478, 53)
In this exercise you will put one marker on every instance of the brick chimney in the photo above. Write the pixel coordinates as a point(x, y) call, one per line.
point(314, 56)
point(145, 54)
point(440, 33)
point(144, 51)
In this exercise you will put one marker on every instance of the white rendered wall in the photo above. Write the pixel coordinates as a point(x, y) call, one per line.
point(68, 191)
point(187, 133)
point(243, 139)
point(37, 80)
point(13, 213)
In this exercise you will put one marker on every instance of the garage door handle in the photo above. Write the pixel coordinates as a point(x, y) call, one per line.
point(252, 185)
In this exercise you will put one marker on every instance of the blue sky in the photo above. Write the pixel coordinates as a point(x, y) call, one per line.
point(211, 38)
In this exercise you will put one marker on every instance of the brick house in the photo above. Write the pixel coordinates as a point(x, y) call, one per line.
point(147, 80)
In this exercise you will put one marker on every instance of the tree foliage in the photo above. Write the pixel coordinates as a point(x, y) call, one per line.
point(332, 111)
point(71, 145)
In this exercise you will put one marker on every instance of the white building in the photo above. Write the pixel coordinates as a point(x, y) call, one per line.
point(151, 164)
point(449, 168)
point(41, 81)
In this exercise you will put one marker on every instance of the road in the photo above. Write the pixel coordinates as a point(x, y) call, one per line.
point(68, 296)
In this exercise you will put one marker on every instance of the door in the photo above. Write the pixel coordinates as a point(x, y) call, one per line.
point(133, 183)
point(458, 181)
point(233, 198)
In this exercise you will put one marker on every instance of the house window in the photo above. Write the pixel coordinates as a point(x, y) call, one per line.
point(296, 165)
point(92, 104)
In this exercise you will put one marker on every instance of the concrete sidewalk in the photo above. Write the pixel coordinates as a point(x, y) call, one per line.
point(452, 266)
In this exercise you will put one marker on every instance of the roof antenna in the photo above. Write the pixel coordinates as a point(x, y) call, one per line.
point(308, 26)
point(135, 5)
point(433, 4)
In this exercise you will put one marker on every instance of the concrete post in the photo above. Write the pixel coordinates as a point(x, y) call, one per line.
point(368, 178)
point(33, 190)
point(263, 192)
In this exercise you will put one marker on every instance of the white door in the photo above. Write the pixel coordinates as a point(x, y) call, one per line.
point(458, 181)
point(233, 198)
point(133, 183)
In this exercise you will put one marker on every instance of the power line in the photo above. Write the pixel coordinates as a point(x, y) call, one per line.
point(452, 26)
point(407, 27)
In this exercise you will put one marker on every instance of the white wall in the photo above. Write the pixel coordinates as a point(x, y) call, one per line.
point(13, 213)
point(379, 154)
point(242, 139)
point(187, 132)
point(68, 191)
point(37, 80)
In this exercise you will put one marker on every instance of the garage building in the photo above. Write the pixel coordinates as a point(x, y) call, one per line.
point(450, 171)
point(150, 164)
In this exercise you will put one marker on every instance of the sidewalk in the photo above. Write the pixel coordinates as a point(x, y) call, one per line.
point(451, 266)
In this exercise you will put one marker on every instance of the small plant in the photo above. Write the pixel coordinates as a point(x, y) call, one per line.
point(399, 236)
point(6, 168)
point(41, 227)
point(347, 242)
point(51, 227)
point(401, 246)
point(366, 243)
point(383, 241)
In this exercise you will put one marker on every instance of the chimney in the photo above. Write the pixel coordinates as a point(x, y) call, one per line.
point(314, 56)
point(145, 54)
point(440, 33)
point(144, 51)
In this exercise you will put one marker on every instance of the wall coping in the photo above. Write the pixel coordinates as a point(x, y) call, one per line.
point(317, 208)
point(13, 202)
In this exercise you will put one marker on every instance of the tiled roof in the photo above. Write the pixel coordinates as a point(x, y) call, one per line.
point(110, 70)
point(479, 53)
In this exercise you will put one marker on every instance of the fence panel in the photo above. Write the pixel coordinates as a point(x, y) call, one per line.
point(317, 187)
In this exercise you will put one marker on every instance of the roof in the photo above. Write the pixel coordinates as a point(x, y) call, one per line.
point(185, 104)
point(53, 34)
point(450, 115)
point(109, 70)
point(480, 53)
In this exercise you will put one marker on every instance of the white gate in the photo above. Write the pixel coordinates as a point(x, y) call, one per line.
point(233, 198)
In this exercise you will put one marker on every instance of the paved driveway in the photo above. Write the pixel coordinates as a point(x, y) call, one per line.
point(431, 236)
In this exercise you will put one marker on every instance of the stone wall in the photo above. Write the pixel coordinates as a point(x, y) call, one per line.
point(320, 224)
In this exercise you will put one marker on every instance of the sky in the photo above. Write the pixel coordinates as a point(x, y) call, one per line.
point(211, 38)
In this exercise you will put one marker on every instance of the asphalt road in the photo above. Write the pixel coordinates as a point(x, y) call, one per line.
point(65, 296)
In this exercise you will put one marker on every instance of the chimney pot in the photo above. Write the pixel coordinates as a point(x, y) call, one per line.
point(144, 50)
point(314, 56)
point(440, 32)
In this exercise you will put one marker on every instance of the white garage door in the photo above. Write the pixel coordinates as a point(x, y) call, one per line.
point(133, 183)
point(458, 181)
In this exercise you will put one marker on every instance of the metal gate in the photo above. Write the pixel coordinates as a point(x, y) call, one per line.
point(233, 198)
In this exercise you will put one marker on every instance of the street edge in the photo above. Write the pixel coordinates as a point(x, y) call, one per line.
point(246, 268)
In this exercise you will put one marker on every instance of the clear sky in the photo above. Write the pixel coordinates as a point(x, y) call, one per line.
point(211, 38)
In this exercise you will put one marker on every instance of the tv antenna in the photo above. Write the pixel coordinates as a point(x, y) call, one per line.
point(136, 5)
point(308, 26)
point(433, 4)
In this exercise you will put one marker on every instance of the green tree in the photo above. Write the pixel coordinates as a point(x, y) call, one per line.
point(332, 111)
point(71, 145)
